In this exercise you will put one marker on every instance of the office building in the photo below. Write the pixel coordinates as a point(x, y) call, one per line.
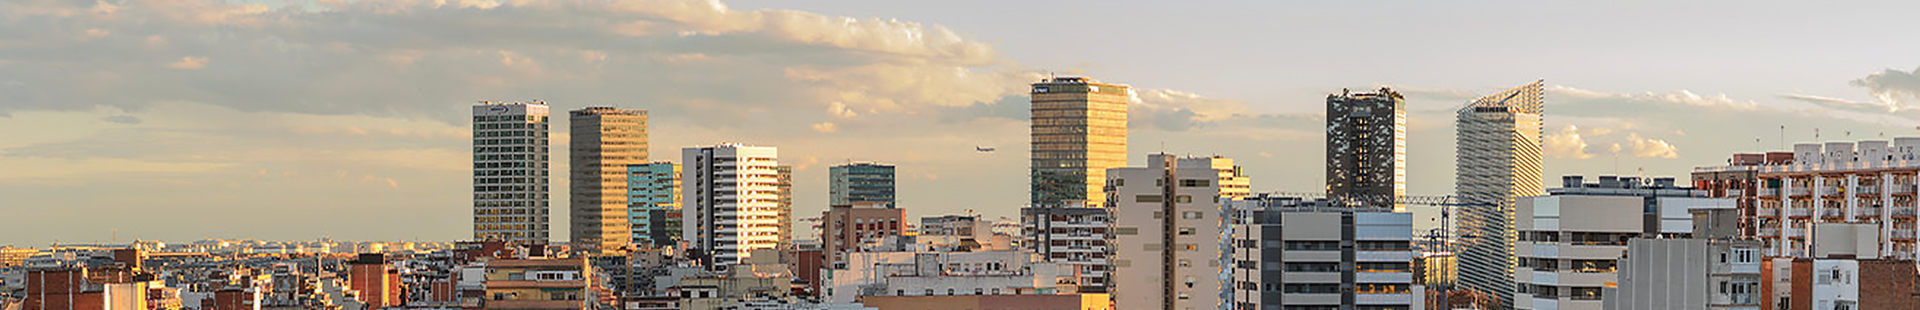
point(1367, 146)
point(603, 141)
point(845, 228)
point(1867, 182)
point(653, 204)
point(1167, 243)
point(1568, 242)
point(1497, 160)
point(1294, 253)
point(860, 182)
point(730, 202)
point(510, 171)
point(1073, 236)
point(1079, 130)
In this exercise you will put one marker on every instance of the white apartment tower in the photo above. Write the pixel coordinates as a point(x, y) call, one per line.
point(510, 171)
point(1498, 159)
point(731, 201)
point(1167, 243)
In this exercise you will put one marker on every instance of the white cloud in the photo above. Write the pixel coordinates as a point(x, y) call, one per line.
point(825, 127)
point(1651, 148)
point(1566, 143)
point(189, 63)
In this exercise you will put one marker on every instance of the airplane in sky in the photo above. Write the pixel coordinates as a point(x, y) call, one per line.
point(983, 149)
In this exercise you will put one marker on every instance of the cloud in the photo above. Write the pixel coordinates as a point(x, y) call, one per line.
point(1174, 110)
point(1680, 97)
point(122, 119)
point(1566, 143)
point(1651, 148)
point(1893, 87)
point(189, 63)
point(825, 127)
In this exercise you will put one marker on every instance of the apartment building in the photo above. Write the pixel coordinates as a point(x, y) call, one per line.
point(1869, 182)
point(1715, 268)
point(1569, 241)
point(869, 274)
point(731, 203)
point(536, 283)
point(1166, 236)
point(846, 227)
point(1294, 253)
point(1074, 236)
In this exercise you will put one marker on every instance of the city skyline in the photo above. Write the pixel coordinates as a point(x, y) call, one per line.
point(224, 115)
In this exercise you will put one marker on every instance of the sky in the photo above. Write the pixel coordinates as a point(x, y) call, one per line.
point(179, 120)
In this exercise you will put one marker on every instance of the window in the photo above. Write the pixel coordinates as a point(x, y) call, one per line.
point(1313, 245)
point(1147, 198)
point(1186, 231)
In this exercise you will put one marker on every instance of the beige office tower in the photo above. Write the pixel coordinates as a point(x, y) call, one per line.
point(1079, 131)
point(1498, 160)
point(603, 142)
point(510, 171)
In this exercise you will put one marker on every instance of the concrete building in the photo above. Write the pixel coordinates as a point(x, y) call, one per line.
point(510, 171)
point(653, 204)
point(1079, 129)
point(1497, 160)
point(868, 274)
point(1073, 236)
point(1867, 182)
point(731, 202)
point(1292, 253)
point(1740, 180)
point(1715, 268)
point(1838, 283)
point(962, 233)
point(378, 283)
point(1569, 242)
point(783, 190)
point(860, 182)
point(537, 283)
point(845, 228)
point(1367, 146)
point(603, 142)
point(1167, 243)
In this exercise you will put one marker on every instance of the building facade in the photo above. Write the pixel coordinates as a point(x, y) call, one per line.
point(603, 141)
point(730, 204)
point(783, 209)
point(1569, 242)
point(1867, 182)
point(860, 182)
point(510, 171)
point(1292, 253)
point(1497, 160)
point(1072, 236)
point(1367, 146)
point(1167, 243)
point(653, 204)
point(844, 228)
point(1079, 129)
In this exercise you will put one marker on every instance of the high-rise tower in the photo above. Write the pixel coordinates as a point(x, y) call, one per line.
point(653, 204)
point(510, 171)
point(603, 141)
point(1498, 157)
point(1367, 147)
point(861, 182)
point(730, 201)
point(1079, 131)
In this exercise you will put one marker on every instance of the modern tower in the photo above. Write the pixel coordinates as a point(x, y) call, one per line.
point(510, 171)
point(1079, 131)
point(1367, 147)
point(730, 204)
point(1498, 159)
point(861, 182)
point(783, 185)
point(1168, 251)
point(653, 204)
point(603, 142)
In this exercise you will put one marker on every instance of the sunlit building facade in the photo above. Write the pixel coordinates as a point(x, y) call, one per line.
point(1079, 131)
point(603, 141)
point(1498, 159)
point(510, 171)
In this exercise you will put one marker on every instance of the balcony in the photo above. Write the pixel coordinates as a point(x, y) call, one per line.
point(1829, 191)
point(1866, 190)
point(1767, 212)
point(1903, 211)
point(1796, 233)
point(1769, 232)
point(1769, 192)
point(1902, 234)
point(1903, 189)
point(1868, 212)
point(1832, 213)
point(1799, 212)
point(1798, 192)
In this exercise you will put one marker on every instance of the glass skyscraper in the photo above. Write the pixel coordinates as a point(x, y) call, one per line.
point(861, 182)
point(1498, 158)
point(653, 203)
point(510, 171)
point(1079, 131)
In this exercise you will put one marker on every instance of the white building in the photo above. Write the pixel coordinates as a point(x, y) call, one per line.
point(1569, 242)
point(943, 273)
point(730, 205)
point(510, 171)
point(1292, 253)
point(1497, 160)
point(1167, 241)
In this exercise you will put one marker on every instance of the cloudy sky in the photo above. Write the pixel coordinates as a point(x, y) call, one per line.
point(186, 119)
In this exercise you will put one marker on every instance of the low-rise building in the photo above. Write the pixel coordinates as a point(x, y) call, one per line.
point(1568, 243)
point(1294, 253)
point(537, 283)
point(945, 274)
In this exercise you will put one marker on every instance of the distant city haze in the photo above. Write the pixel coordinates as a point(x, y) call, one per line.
point(188, 119)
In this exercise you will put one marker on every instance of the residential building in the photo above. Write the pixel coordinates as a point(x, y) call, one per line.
point(537, 283)
point(603, 141)
point(14, 257)
point(1086, 301)
point(1569, 242)
point(1740, 180)
point(1497, 160)
point(1079, 129)
point(378, 283)
point(1167, 245)
point(731, 290)
point(845, 228)
point(730, 203)
point(783, 186)
point(861, 182)
point(510, 171)
point(653, 204)
point(1294, 253)
point(1867, 182)
point(1715, 268)
point(908, 273)
point(1821, 283)
point(962, 233)
point(1073, 236)
point(1367, 146)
